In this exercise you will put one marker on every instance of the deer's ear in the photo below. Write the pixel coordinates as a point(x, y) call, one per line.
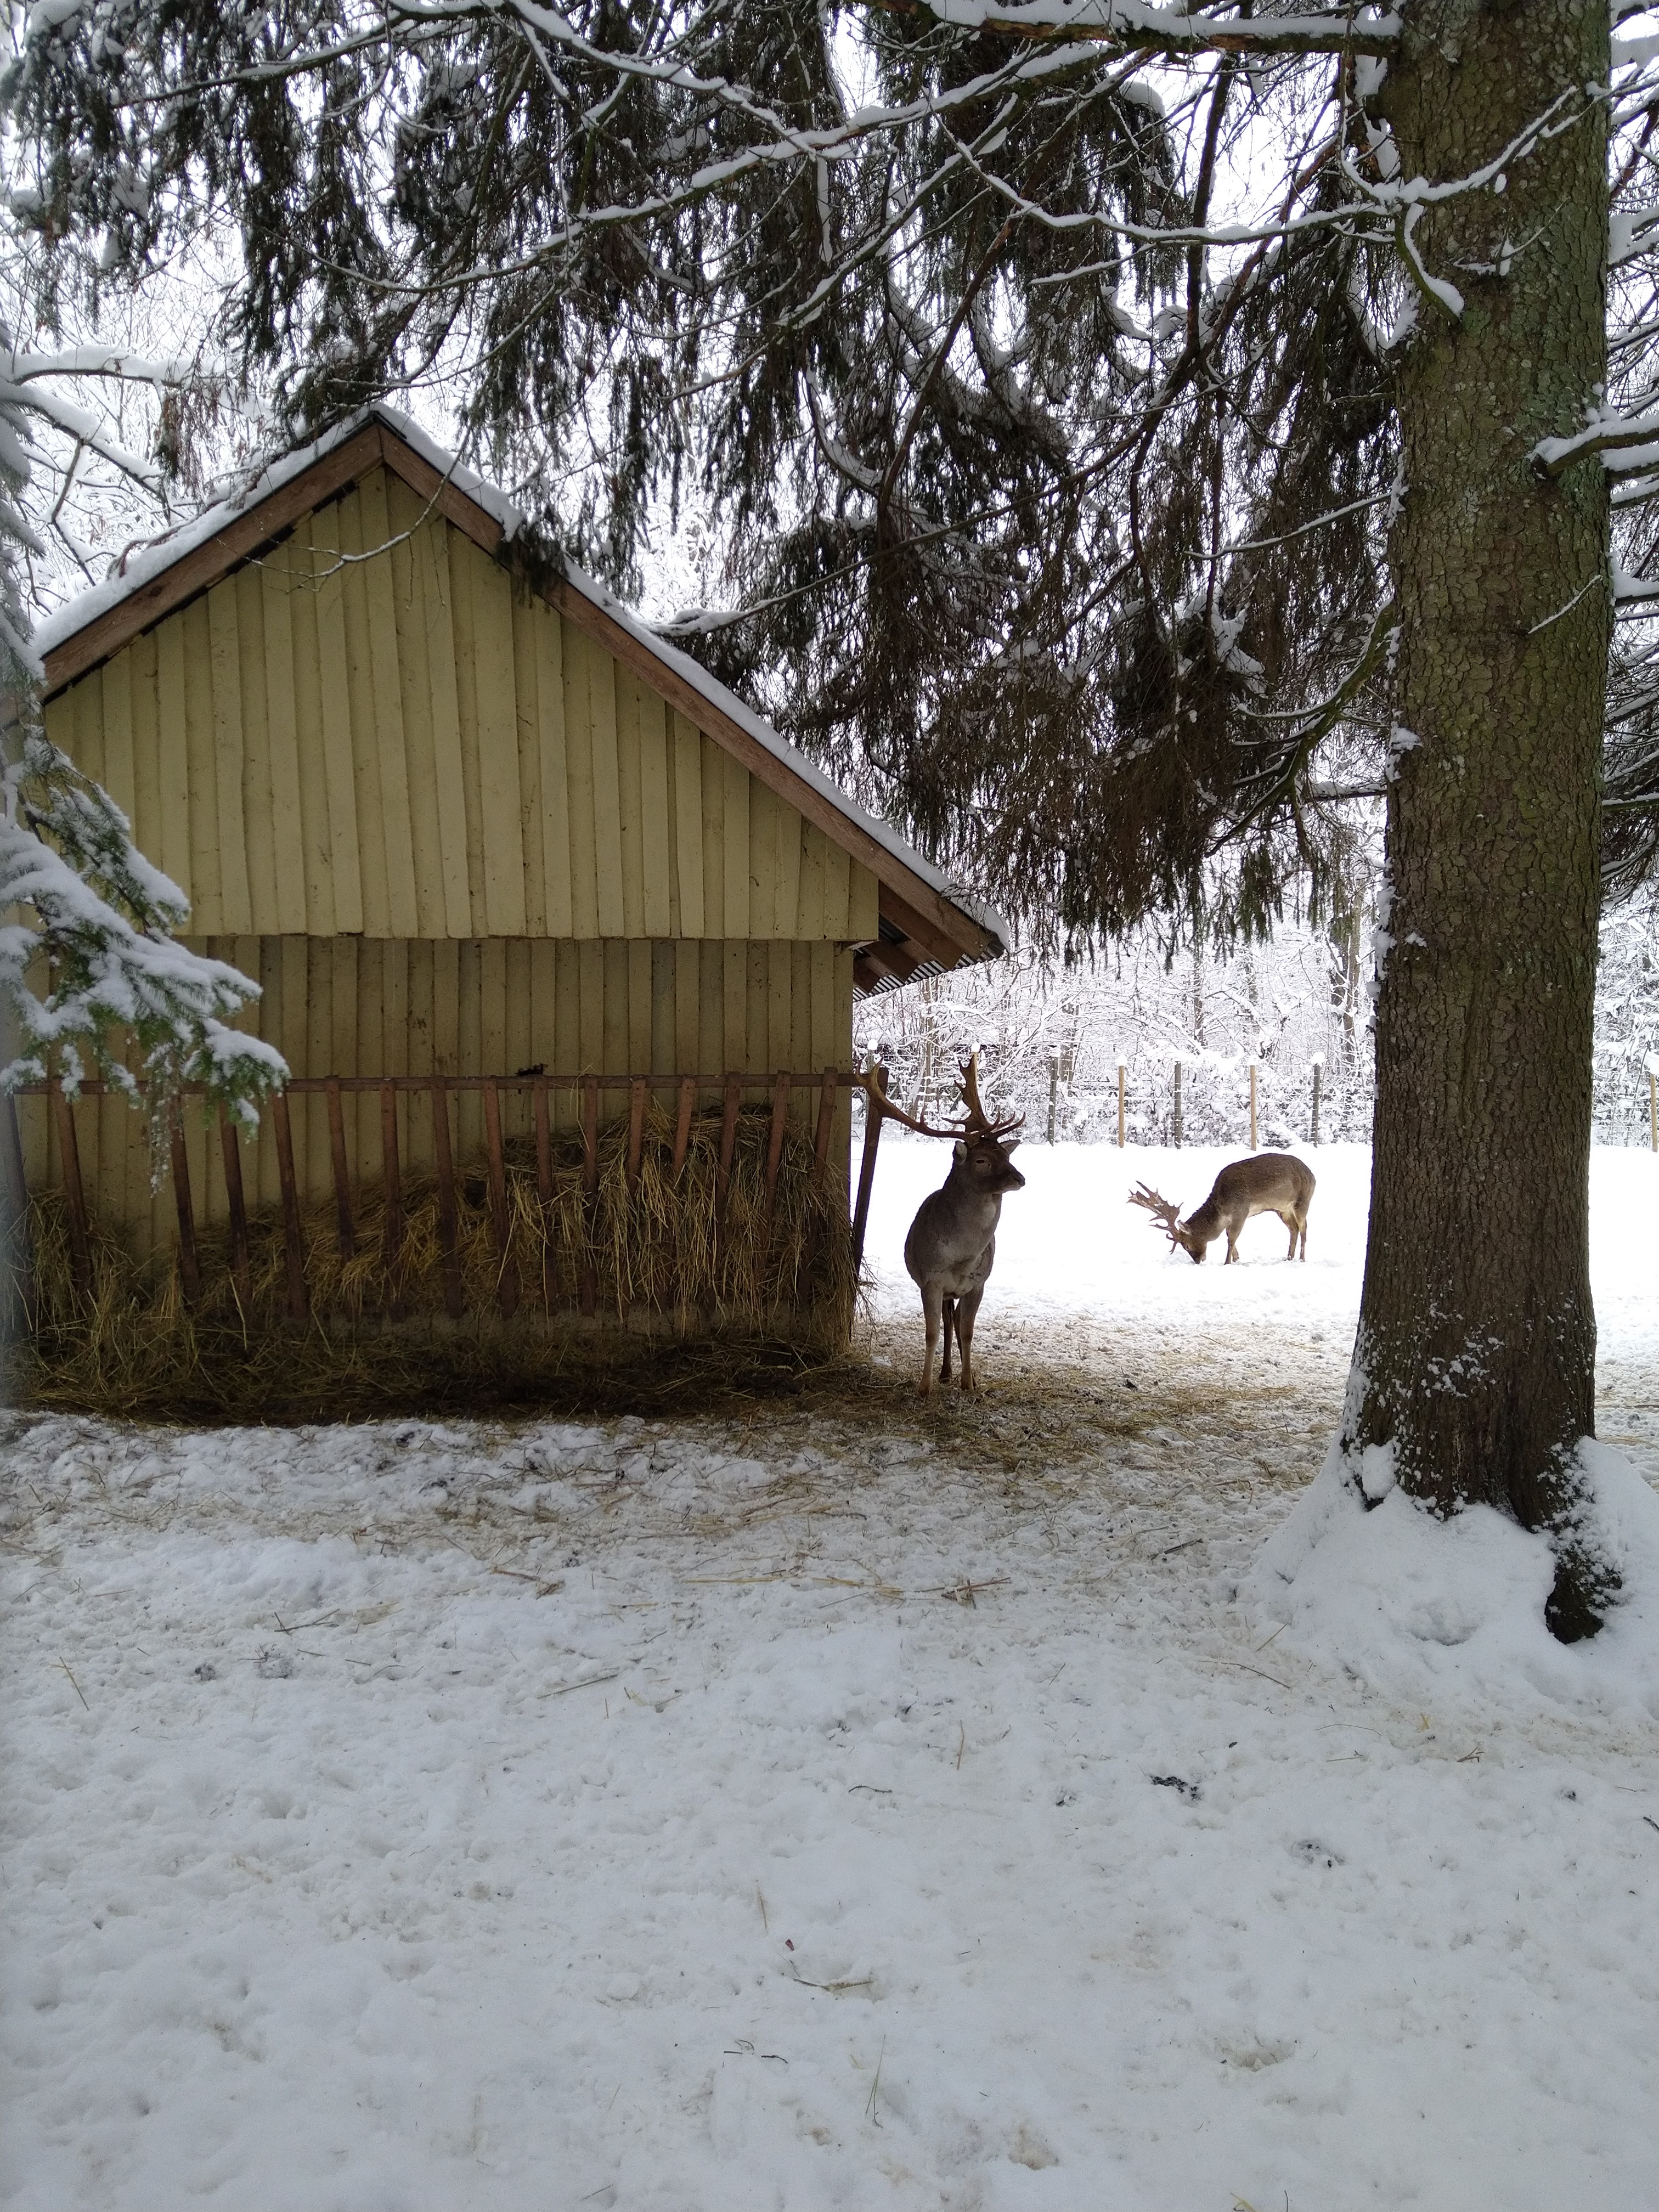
point(959, 1150)
point(1012, 1145)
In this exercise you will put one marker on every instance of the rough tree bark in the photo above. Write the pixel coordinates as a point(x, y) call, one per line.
point(1476, 1352)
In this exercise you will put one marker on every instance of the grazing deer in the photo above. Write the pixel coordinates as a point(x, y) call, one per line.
point(952, 1241)
point(1266, 1182)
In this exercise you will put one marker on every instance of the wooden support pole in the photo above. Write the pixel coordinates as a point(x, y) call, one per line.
point(872, 1120)
point(545, 1189)
point(683, 1124)
point(293, 1244)
point(21, 1270)
point(75, 1197)
point(1252, 1105)
point(587, 1282)
point(449, 1228)
point(635, 1130)
point(506, 1281)
point(190, 1273)
point(1318, 1070)
point(1053, 1093)
point(1653, 1108)
point(1122, 1085)
point(230, 1146)
point(345, 1228)
point(1177, 1131)
point(775, 1149)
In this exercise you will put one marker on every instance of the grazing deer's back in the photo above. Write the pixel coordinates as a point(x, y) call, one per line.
point(1264, 1182)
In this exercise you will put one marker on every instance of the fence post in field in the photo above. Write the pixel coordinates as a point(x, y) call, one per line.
point(1653, 1102)
point(1318, 1067)
point(1252, 1105)
point(1175, 1133)
point(1053, 1092)
point(1122, 1073)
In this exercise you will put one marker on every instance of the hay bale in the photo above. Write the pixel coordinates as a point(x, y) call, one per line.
point(680, 1301)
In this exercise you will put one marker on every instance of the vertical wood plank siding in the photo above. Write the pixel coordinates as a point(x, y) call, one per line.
point(448, 833)
point(401, 747)
point(480, 1006)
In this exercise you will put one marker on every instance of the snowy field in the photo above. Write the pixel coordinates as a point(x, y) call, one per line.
point(859, 1805)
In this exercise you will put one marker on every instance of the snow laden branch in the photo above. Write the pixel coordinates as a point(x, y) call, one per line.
point(1176, 31)
point(113, 981)
point(92, 977)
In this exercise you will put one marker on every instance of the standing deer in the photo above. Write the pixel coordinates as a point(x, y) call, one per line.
point(1266, 1182)
point(952, 1242)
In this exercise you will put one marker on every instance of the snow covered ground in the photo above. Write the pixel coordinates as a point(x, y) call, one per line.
point(862, 1805)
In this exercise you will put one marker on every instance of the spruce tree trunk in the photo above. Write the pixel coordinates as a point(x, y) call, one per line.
point(1477, 1339)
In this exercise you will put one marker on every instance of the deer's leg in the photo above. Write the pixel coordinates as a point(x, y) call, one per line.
point(966, 1312)
point(932, 1300)
point(1232, 1248)
point(948, 1319)
point(1289, 1219)
point(1304, 1236)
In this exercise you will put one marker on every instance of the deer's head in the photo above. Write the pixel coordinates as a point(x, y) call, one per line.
point(985, 1162)
point(1168, 1219)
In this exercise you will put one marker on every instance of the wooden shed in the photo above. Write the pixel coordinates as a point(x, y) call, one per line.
point(503, 864)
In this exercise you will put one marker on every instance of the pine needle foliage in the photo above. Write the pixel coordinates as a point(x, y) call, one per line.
point(1055, 513)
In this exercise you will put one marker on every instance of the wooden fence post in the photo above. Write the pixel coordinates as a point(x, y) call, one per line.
point(872, 1120)
point(1653, 1108)
point(392, 1185)
point(345, 1229)
point(448, 1229)
point(293, 1243)
point(682, 1126)
point(587, 1282)
point(1177, 1131)
point(230, 1146)
point(190, 1274)
point(1252, 1105)
point(635, 1130)
point(1053, 1093)
point(1318, 1068)
point(1122, 1072)
point(506, 1281)
point(75, 1197)
point(544, 1190)
point(775, 1149)
point(733, 1099)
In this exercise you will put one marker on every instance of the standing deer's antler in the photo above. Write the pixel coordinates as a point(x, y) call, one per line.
point(977, 1121)
point(875, 1089)
point(1165, 1216)
point(974, 1124)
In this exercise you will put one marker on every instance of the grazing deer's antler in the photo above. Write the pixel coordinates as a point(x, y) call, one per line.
point(1165, 1216)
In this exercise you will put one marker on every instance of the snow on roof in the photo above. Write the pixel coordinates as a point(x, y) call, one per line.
point(138, 566)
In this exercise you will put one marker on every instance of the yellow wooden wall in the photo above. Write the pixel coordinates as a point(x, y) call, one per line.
point(371, 1006)
point(403, 746)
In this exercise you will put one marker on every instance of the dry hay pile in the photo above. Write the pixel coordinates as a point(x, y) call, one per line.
point(687, 1308)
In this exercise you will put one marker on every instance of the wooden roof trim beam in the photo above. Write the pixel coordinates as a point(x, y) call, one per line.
point(195, 571)
point(930, 918)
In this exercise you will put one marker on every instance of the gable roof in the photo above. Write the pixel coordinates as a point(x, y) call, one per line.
point(927, 924)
